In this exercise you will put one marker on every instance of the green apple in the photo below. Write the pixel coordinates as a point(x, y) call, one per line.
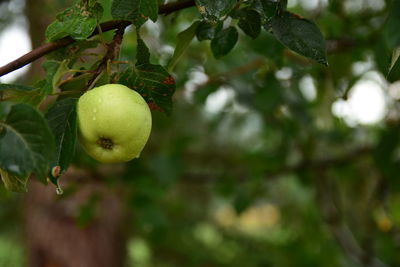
point(114, 123)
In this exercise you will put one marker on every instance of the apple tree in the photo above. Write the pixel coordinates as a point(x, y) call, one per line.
point(43, 144)
point(246, 163)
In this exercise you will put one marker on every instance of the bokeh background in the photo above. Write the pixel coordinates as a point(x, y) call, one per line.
point(268, 159)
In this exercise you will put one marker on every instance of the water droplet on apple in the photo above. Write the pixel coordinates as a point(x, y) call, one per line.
point(95, 110)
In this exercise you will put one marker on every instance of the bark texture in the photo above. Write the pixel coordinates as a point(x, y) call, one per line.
point(54, 239)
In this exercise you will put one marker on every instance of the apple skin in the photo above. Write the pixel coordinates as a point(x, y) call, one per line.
point(114, 123)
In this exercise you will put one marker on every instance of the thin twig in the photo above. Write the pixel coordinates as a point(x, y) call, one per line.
point(310, 164)
point(329, 205)
point(113, 49)
point(105, 26)
point(226, 76)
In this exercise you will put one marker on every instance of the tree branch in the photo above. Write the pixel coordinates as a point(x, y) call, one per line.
point(225, 77)
point(310, 164)
point(113, 49)
point(105, 26)
point(327, 199)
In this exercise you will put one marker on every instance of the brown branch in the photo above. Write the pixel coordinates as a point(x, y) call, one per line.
point(113, 49)
point(307, 164)
point(223, 78)
point(34, 54)
point(175, 6)
point(105, 26)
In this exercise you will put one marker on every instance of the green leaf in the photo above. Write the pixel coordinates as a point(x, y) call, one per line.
point(63, 123)
point(56, 31)
point(394, 69)
point(215, 9)
point(282, 4)
point(391, 26)
point(224, 41)
point(77, 83)
point(13, 182)
point(78, 21)
point(26, 142)
point(20, 94)
point(103, 78)
point(136, 10)
point(142, 54)
point(300, 35)
point(50, 67)
point(154, 83)
point(54, 71)
point(23, 88)
point(267, 10)
point(207, 31)
point(5, 108)
point(184, 39)
point(250, 22)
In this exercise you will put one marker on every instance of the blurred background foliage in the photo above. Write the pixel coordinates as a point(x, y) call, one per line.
point(261, 162)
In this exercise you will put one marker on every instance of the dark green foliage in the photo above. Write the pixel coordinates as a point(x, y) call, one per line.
point(21, 93)
point(300, 35)
point(78, 21)
point(63, 123)
point(394, 70)
point(153, 82)
point(207, 30)
point(391, 30)
point(184, 39)
point(137, 11)
point(50, 67)
point(5, 87)
point(27, 144)
point(250, 22)
point(215, 9)
point(143, 53)
point(267, 9)
point(224, 41)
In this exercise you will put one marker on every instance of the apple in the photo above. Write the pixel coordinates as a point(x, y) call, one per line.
point(114, 123)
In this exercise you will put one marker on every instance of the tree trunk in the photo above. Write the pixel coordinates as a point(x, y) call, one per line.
point(37, 13)
point(55, 239)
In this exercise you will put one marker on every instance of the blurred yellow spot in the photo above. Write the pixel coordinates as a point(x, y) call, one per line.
point(225, 216)
point(383, 222)
point(256, 218)
point(259, 217)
